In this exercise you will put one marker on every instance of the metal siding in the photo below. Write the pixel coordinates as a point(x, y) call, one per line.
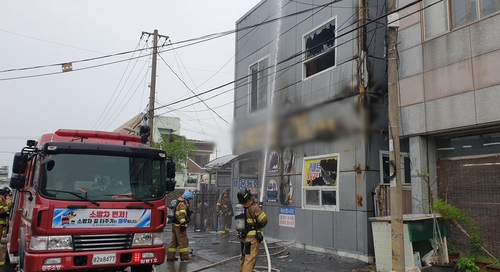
point(364, 233)
point(347, 149)
point(271, 229)
point(320, 81)
point(322, 225)
point(346, 231)
point(347, 191)
point(371, 179)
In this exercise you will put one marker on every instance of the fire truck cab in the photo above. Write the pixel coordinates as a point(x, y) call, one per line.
point(88, 200)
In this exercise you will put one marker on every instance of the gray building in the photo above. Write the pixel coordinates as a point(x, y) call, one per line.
point(449, 92)
point(310, 115)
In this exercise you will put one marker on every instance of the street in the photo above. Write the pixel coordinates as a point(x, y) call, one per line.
point(212, 253)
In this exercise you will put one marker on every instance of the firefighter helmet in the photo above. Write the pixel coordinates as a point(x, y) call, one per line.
point(187, 195)
point(7, 190)
point(244, 195)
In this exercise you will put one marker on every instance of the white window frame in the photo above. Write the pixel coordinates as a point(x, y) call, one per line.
point(320, 189)
point(402, 155)
point(250, 111)
point(304, 61)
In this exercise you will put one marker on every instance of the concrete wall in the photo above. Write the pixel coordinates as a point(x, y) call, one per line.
point(449, 82)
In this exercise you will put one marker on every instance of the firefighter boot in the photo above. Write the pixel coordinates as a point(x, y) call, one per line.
point(171, 256)
point(185, 257)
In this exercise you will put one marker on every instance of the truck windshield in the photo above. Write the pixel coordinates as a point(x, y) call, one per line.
point(102, 178)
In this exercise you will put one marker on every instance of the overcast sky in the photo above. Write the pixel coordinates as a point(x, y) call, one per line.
point(43, 33)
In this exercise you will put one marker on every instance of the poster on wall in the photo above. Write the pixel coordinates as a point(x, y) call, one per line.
point(320, 171)
point(286, 191)
point(274, 162)
point(272, 191)
point(288, 161)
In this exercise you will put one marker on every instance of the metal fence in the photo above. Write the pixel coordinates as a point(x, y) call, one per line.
point(205, 218)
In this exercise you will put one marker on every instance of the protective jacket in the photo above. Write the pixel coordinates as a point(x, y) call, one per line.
point(182, 213)
point(224, 208)
point(250, 243)
point(255, 218)
point(179, 233)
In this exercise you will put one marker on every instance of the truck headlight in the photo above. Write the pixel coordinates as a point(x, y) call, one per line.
point(51, 242)
point(143, 239)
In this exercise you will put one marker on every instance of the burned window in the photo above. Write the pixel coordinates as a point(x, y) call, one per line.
point(320, 182)
point(319, 49)
point(258, 85)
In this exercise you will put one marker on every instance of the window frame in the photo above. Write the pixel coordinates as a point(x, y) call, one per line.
point(450, 18)
point(320, 189)
point(402, 155)
point(305, 61)
point(257, 109)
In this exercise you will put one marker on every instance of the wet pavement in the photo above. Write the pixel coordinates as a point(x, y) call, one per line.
point(212, 253)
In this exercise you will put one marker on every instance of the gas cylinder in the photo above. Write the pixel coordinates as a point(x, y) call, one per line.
point(171, 211)
point(239, 217)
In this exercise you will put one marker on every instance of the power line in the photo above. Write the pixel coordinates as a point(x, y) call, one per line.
point(300, 52)
point(195, 95)
point(202, 38)
point(99, 121)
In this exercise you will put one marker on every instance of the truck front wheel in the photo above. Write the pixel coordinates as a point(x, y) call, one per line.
point(142, 268)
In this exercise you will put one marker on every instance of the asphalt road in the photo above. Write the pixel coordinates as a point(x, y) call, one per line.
point(212, 253)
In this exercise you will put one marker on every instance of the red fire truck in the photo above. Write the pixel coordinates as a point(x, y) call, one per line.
point(89, 200)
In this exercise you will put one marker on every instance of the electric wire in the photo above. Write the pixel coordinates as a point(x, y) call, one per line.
point(128, 101)
point(191, 90)
point(116, 89)
point(176, 57)
point(193, 40)
point(253, 31)
point(370, 21)
point(197, 120)
point(300, 52)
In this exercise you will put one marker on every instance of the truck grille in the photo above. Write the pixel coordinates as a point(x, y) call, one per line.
point(102, 241)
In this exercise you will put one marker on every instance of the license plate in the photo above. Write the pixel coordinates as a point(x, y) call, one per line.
point(105, 258)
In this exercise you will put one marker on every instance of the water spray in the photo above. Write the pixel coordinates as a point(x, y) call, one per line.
point(268, 127)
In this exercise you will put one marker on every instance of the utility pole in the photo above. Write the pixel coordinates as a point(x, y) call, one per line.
point(152, 88)
point(396, 191)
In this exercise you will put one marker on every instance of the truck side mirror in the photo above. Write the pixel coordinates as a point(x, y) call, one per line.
point(170, 168)
point(17, 181)
point(170, 185)
point(20, 162)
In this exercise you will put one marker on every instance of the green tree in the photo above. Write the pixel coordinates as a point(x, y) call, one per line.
point(179, 148)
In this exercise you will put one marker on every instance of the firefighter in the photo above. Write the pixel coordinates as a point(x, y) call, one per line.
point(179, 227)
point(4, 217)
point(224, 209)
point(250, 238)
point(5, 201)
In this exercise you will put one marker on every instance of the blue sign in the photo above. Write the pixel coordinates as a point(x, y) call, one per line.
point(287, 210)
point(235, 183)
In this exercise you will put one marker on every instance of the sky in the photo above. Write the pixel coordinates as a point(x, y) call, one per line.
point(36, 97)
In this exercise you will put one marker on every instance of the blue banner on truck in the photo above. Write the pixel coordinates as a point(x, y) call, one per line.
point(100, 218)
